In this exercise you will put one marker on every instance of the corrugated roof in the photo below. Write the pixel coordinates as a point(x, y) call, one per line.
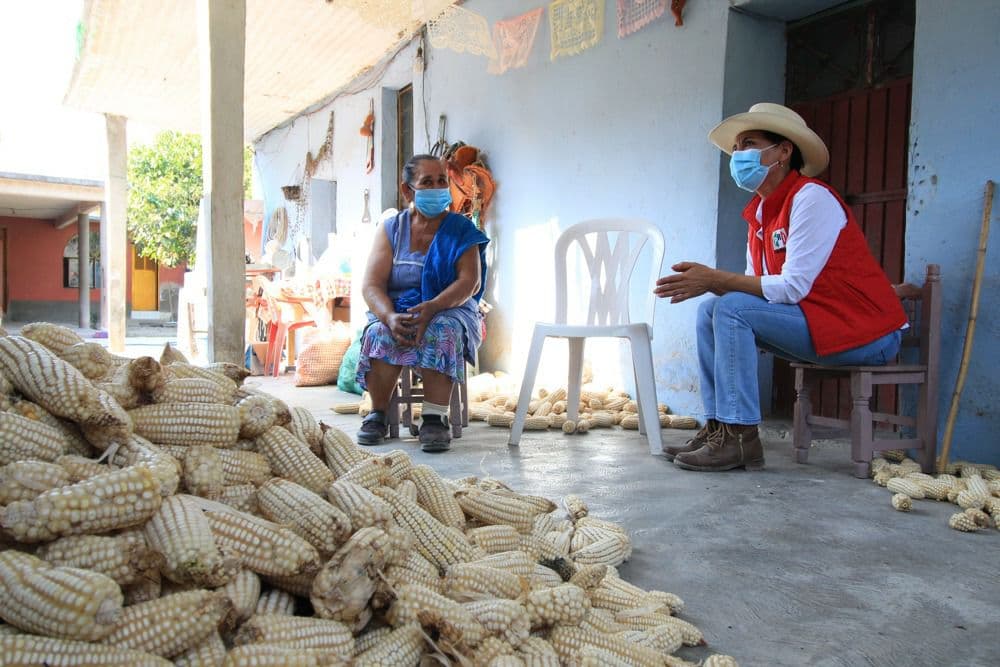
point(139, 58)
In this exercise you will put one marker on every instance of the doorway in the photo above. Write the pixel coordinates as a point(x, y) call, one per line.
point(404, 134)
point(145, 282)
point(849, 74)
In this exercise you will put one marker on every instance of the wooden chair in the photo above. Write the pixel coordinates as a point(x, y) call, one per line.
point(923, 306)
point(407, 392)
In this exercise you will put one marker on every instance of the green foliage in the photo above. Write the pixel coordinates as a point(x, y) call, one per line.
point(165, 188)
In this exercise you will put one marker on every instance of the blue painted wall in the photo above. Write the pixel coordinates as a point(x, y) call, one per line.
point(954, 144)
point(618, 130)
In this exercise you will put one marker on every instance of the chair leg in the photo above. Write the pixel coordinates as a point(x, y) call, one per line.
point(406, 398)
point(861, 423)
point(464, 395)
point(645, 384)
point(392, 412)
point(279, 343)
point(527, 384)
point(574, 378)
point(801, 431)
point(927, 418)
point(455, 410)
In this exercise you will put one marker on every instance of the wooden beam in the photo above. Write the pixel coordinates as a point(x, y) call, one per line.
point(71, 216)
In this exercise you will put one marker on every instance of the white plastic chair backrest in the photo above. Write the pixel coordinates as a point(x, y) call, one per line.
point(610, 247)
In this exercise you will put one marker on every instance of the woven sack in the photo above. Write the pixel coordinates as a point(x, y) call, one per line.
point(322, 353)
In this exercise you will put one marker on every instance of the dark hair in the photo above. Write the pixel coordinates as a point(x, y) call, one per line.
point(796, 160)
point(410, 168)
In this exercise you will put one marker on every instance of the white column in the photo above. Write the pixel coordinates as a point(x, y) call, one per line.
point(221, 45)
point(116, 260)
point(83, 253)
point(102, 277)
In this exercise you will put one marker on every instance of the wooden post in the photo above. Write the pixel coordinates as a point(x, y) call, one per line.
point(221, 42)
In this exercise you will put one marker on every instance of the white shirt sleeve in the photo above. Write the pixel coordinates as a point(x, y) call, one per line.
point(815, 223)
point(750, 270)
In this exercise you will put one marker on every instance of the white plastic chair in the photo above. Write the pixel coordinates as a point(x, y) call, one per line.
point(611, 259)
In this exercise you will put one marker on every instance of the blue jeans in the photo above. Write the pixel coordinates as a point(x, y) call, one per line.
point(730, 329)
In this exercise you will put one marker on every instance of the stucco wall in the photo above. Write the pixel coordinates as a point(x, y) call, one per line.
point(618, 130)
point(953, 151)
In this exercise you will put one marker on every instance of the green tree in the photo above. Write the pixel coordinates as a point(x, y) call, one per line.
point(165, 187)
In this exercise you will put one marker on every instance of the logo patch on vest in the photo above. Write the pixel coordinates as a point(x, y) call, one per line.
point(779, 239)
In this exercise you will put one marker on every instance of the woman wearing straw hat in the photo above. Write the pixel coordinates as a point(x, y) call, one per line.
point(812, 291)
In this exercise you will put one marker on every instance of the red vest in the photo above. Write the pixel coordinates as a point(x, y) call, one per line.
point(851, 302)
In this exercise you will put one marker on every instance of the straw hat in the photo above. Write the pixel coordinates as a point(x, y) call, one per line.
point(780, 120)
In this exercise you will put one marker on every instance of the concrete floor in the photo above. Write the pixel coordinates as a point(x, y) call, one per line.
point(795, 565)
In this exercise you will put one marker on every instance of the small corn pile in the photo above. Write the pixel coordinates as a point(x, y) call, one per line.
point(493, 399)
point(974, 487)
point(208, 523)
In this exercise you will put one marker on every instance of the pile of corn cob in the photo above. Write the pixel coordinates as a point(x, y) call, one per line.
point(493, 399)
point(156, 513)
point(974, 487)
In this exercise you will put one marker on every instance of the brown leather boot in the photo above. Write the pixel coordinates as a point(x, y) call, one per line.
point(731, 446)
point(695, 443)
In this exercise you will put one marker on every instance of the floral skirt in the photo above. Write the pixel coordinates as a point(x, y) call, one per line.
point(442, 349)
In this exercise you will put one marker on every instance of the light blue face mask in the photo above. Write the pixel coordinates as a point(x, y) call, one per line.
point(746, 169)
point(432, 202)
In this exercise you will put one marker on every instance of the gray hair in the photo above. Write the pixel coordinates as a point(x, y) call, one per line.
point(410, 168)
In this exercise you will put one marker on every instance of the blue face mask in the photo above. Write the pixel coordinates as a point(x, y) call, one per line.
point(746, 169)
point(432, 202)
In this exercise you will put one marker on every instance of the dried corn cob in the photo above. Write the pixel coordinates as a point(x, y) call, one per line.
point(477, 411)
point(981, 518)
point(435, 496)
point(495, 652)
point(575, 507)
point(124, 395)
point(243, 467)
point(62, 602)
point(591, 656)
point(495, 539)
point(56, 338)
point(569, 426)
point(242, 592)
point(171, 354)
point(137, 451)
point(147, 587)
point(370, 473)
point(905, 486)
point(193, 390)
point(589, 577)
point(683, 422)
point(362, 506)
point(211, 652)
point(502, 419)
point(79, 468)
point(976, 484)
point(25, 480)
point(565, 604)
point(309, 515)
point(602, 621)
point(187, 424)
point(408, 490)
point(455, 623)
point(106, 502)
point(346, 583)
point(346, 408)
point(203, 474)
point(399, 463)
point(630, 421)
point(901, 502)
point(290, 458)
point(441, 545)
point(181, 533)
point(123, 557)
point(169, 625)
point(536, 422)
point(492, 509)
point(304, 427)
point(31, 650)
point(299, 585)
point(719, 660)
point(275, 601)
point(568, 641)
point(515, 562)
point(340, 451)
point(934, 489)
point(267, 655)
point(22, 438)
point(234, 372)
point(966, 499)
point(402, 646)
point(182, 370)
point(538, 652)
point(465, 582)
point(257, 414)
point(690, 634)
point(414, 570)
point(332, 637)
point(544, 577)
point(90, 359)
point(260, 545)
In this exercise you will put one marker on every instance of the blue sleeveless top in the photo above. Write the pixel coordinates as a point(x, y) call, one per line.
point(417, 277)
